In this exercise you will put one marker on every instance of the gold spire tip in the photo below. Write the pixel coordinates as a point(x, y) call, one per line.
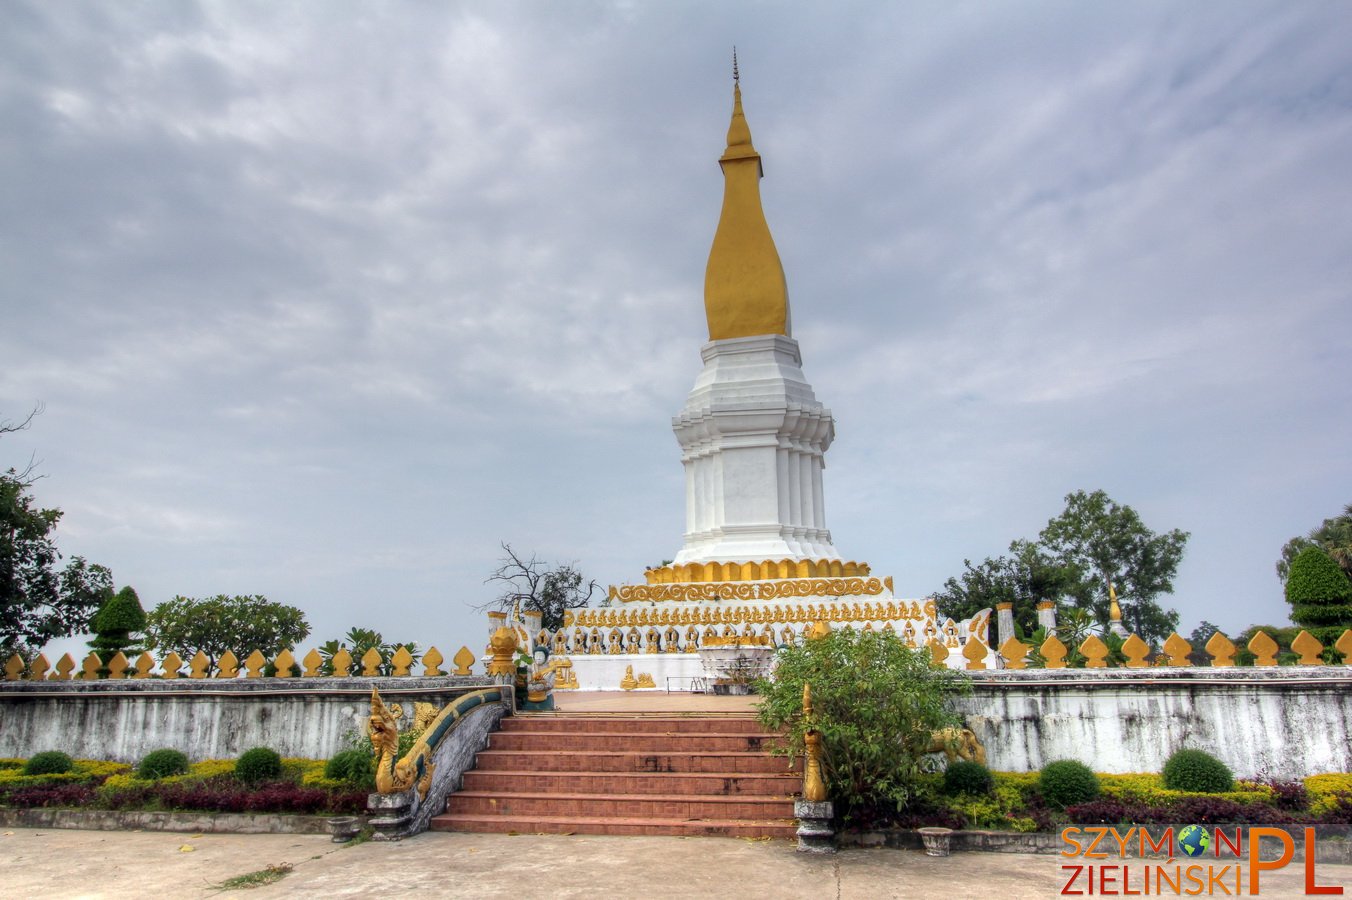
point(736, 76)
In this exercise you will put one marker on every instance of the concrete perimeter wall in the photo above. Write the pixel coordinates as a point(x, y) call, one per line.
point(1282, 722)
point(208, 719)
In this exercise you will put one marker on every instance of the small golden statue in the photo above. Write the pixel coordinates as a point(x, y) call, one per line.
point(957, 743)
point(814, 788)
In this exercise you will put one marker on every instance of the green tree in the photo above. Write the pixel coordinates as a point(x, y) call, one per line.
point(1334, 536)
point(1104, 542)
point(1023, 578)
point(214, 625)
point(116, 624)
point(534, 585)
point(1200, 635)
point(1320, 594)
point(876, 703)
point(1283, 635)
point(357, 642)
point(38, 600)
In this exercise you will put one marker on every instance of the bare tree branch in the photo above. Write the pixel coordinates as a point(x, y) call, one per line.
point(24, 477)
point(537, 586)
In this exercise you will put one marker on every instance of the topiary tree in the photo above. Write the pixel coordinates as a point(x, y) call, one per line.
point(1197, 771)
point(1067, 782)
point(1320, 595)
point(876, 703)
point(115, 623)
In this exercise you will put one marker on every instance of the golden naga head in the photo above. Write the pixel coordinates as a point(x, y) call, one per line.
point(381, 725)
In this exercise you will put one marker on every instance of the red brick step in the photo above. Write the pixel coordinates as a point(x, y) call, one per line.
point(780, 828)
point(644, 742)
point(609, 774)
point(753, 783)
point(562, 760)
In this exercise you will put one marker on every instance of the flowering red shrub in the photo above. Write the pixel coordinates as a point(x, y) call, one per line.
point(223, 794)
point(1206, 810)
point(49, 795)
point(1199, 810)
point(1341, 813)
point(1289, 795)
point(1111, 811)
point(228, 795)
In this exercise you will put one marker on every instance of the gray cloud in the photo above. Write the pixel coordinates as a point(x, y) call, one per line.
point(323, 302)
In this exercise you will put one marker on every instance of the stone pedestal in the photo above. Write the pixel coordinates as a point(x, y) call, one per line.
point(936, 840)
point(392, 814)
point(815, 833)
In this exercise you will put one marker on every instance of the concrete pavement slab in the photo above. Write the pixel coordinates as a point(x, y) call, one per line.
point(82, 864)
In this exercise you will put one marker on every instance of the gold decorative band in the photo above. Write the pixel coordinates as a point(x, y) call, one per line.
point(680, 614)
point(752, 590)
point(766, 570)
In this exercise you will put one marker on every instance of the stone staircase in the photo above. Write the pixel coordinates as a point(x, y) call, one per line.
point(627, 774)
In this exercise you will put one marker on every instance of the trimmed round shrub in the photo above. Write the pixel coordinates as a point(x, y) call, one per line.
point(1197, 771)
point(162, 764)
point(353, 766)
point(49, 762)
point(1067, 783)
point(258, 764)
point(964, 777)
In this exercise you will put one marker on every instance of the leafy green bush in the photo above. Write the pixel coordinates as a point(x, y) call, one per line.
point(876, 703)
point(258, 764)
point(1067, 782)
point(964, 777)
point(1320, 595)
point(162, 764)
point(353, 767)
point(1197, 771)
point(49, 762)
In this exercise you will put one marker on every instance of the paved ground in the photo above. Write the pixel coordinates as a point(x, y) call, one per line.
point(79, 864)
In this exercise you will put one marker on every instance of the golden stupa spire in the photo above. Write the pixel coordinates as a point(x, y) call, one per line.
point(744, 289)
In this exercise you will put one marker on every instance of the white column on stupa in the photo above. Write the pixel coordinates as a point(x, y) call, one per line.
point(753, 439)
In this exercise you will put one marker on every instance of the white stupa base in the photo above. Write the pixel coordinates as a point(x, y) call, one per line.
point(671, 673)
point(753, 442)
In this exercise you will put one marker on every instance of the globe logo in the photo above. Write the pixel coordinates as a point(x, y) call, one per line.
point(1194, 840)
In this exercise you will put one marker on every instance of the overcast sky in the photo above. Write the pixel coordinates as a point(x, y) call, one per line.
point(325, 300)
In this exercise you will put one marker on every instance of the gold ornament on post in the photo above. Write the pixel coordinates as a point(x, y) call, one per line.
point(503, 647)
point(814, 788)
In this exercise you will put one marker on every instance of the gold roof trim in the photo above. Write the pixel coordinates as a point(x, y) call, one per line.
point(765, 570)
